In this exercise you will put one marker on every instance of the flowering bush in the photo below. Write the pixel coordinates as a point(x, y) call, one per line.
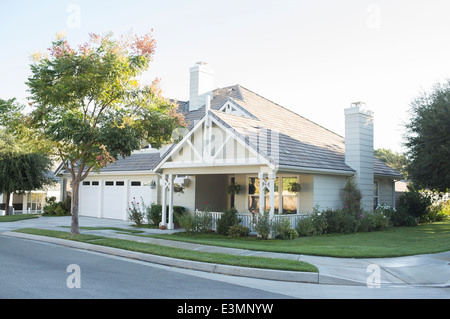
point(136, 212)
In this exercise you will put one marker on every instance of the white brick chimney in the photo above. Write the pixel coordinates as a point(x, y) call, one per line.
point(201, 85)
point(359, 149)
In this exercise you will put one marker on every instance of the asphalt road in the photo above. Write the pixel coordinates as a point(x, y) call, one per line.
point(31, 270)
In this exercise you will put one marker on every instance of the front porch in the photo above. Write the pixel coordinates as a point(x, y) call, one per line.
point(283, 195)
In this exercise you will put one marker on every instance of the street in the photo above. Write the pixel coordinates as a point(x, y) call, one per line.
point(32, 270)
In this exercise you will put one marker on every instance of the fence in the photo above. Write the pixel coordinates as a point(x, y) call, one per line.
point(248, 219)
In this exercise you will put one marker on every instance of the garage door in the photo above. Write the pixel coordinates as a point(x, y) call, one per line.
point(115, 200)
point(88, 203)
point(112, 199)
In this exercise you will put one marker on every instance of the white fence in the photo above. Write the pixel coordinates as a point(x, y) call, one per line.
point(248, 219)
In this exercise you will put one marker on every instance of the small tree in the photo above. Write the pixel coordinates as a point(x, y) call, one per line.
point(20, 171)
point(89, 109)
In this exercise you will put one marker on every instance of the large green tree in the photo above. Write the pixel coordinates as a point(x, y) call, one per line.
point(428, 139)
point(20, 169)
point(397, 161)
point(89, 109)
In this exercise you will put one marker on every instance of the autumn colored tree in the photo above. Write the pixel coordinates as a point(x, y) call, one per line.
point(88, 107)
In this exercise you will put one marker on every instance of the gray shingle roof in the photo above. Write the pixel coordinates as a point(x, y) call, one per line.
point(302, 143)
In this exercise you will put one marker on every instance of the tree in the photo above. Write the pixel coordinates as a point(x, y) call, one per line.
point(428, 139)
point(20, 170)
point(89, 109)
point(395, 160)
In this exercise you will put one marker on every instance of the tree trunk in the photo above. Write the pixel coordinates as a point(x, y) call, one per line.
point(8, 196)
point(74, 230)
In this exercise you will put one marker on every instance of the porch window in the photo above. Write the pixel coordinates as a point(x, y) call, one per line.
point(35, 201)
point(288, 200)
point(289, 195)
point(253, 195)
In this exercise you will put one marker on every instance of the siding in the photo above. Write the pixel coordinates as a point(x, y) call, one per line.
point(328, 191)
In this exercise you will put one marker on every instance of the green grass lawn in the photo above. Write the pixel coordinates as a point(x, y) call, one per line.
point(14, 218)
point(243, 261)
point(399, 241)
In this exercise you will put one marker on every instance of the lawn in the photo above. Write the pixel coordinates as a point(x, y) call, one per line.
point(243, 261)
point(14, 218)
point(398, 241)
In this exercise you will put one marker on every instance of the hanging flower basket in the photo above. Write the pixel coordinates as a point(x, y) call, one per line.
point(233, 189)
point(294, 187)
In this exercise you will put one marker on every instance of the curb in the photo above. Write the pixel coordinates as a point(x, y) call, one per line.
point(270, 274)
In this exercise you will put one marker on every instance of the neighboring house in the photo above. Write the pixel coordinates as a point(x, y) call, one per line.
point(30, 202)
point(235, 136)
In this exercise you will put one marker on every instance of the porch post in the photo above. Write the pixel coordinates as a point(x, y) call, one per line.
point(163, 200)
point(170, 224)
point(262, 188)
point(271, 187)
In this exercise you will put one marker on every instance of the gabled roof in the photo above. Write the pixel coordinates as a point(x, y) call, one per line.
point(303, 144)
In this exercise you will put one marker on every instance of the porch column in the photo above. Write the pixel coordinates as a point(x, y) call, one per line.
point(270, 185)
point(167, 184)
point(170, 224)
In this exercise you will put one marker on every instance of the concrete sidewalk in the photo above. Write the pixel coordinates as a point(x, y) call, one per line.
point(421, 270)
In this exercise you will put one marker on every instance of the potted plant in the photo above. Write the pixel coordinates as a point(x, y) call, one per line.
point(294, 187)
point(233, 189)
point(162, 227)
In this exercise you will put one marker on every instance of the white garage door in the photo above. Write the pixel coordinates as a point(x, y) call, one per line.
point(113, 197)
point(88, 200)
point(115, 200)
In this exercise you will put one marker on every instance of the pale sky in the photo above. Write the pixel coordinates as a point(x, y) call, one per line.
point(313, 57)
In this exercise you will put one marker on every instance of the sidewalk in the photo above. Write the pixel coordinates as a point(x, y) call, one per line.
point(421, 270)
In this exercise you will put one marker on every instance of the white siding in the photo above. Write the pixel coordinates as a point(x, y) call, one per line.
point(328, 191)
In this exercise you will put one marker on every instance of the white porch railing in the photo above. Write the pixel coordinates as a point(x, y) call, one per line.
point(247, 219)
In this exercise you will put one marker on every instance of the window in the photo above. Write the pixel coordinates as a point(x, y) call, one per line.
point(109, 183)
point(135, 183)
point(287, 199)
point(35, 201)
point(290, 195)
point(253, 195)
point(121, 183)
point(86, 183)
point(95, 183)
point(375, 194)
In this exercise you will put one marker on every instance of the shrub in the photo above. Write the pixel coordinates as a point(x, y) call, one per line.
point(54, 208)
point(282, 229)
point(238, 230)
point(136, 213)
point(228, 219)
point(188, 222)
point(154, 212)
point(263, 225)
point(374, 221)
point(341, 221)
point(305, 226)
point(178, 212)
point(415, 202)
point(352, 197)
point(203, 222)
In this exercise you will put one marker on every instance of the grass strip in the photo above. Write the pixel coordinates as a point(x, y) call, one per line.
point(216, 258)
point(395, 242)
point(14, 218)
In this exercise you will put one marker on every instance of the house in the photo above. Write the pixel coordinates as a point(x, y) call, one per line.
point(235, 136)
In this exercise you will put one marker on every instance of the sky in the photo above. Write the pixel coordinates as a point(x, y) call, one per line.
point(312, 57)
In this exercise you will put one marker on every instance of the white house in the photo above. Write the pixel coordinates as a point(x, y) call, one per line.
point(235, 136)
